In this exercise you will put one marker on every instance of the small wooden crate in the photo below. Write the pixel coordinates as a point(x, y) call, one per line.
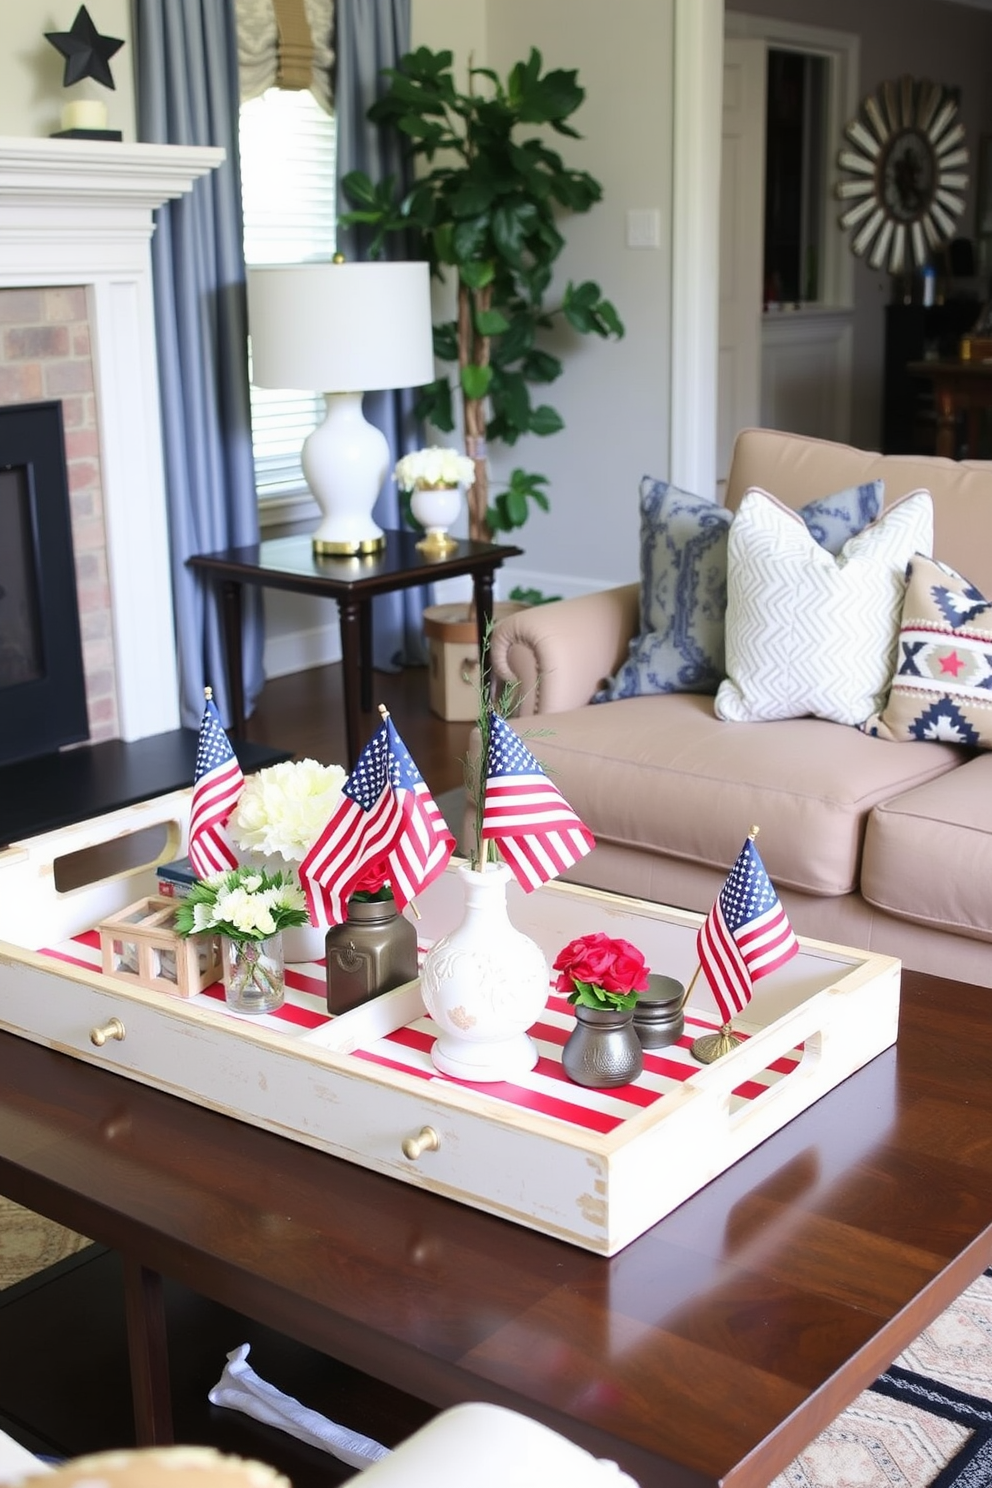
point(141, 941)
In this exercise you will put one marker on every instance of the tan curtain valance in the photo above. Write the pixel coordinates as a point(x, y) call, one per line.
point(286, 44)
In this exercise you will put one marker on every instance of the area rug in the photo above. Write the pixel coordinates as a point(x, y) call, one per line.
point(926, 1422)
point(29, 1243)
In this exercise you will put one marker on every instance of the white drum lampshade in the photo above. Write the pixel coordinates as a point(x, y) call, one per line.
point(342, 329)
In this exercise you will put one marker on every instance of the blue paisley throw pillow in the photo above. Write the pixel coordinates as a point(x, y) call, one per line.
point(684, 583)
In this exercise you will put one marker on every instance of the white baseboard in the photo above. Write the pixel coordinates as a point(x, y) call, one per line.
point(297, 650)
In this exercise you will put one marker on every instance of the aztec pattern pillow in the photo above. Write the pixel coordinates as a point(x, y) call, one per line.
point(807, 632)
point(680, 647)
point(942, 687)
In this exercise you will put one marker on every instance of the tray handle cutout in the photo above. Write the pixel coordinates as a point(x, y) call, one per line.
point(744, 1106)
point(122, 856)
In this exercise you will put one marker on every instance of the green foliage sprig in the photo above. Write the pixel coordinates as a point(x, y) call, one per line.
point(488, 207)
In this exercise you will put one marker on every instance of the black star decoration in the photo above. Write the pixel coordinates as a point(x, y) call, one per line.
point(86, 52)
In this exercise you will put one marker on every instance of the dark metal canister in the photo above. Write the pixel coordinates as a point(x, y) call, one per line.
point(374, 951)
point(659, 1018)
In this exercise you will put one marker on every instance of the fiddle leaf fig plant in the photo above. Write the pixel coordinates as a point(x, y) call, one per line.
point(486, 209)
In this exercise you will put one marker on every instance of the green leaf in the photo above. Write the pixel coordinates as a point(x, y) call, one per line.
point(475, 381)
point(581, 296)
point(516, 342)
point(469, 238)
point(491, 322)
point(476, 275)
point(531, 596)
point(596, 997)
point(446, 341)
point(433, 405)
point(510, 224)
point(541, 366)
point(511, 401)
point(359, 189)
point(611, 320)
point(444, 245)
point(545, 420)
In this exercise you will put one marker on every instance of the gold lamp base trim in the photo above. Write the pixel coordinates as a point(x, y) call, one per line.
point(436, 545)
point(349, 550)
point(712, 1046)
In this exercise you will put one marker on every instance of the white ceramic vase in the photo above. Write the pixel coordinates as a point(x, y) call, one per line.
point(436, 508)
point(485, 985)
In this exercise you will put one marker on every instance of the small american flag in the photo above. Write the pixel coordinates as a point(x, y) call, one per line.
point(385, 811)
point(217, 783)
point(746, 934)
point(538, 833)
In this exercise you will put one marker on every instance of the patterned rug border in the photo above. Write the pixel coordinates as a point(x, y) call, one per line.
point(972, 1466)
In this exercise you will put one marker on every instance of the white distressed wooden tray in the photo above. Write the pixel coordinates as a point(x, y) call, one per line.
point(595, 1168)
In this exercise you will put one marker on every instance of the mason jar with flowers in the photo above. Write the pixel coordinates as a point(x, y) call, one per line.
point(249, 909)
point(432, 480)
point(281, 812)
point(602, 977)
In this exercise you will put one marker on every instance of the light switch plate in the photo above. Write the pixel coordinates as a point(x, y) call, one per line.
point(644, 227)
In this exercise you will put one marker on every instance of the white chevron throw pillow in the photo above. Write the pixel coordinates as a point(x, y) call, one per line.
point(807, 632)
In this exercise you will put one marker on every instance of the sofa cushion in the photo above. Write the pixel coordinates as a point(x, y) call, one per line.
point(664, 774)
point(942, 686)
point(928, 851)
point(809, 633)
point(680, 647)
point(796, 467)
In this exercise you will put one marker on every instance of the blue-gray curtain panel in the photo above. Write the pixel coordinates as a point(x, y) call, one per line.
point(371, 35)
point(187, 94)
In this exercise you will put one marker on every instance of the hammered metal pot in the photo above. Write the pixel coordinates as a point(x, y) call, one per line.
point(603, 1048)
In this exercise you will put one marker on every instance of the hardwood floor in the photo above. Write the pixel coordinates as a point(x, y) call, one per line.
point(304, 713)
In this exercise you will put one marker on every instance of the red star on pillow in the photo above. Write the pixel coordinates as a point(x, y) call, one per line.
point(952, 663)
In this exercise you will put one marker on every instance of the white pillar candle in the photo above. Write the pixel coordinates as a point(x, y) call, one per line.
point(84, 113)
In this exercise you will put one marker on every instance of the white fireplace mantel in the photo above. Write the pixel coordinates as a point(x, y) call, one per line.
point(80, 212)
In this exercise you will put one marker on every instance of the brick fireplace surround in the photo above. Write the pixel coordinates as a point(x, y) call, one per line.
point(77, 324)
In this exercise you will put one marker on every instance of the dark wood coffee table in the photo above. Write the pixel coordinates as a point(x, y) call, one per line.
point(710, 1351)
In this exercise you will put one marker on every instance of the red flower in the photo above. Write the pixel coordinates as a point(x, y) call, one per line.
point(373, 878)
point(612, 965)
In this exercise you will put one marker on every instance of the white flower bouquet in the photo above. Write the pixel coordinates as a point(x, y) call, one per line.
point(243, 903)
point(429, 468)
point(283, 809)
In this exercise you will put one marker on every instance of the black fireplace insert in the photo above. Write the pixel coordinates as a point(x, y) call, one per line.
point(42, 684)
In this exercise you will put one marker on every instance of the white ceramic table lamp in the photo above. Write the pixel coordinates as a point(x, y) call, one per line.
point(343, 329)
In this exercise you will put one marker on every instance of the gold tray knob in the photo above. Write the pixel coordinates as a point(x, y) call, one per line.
point(426, 1140)
point(114, 1029)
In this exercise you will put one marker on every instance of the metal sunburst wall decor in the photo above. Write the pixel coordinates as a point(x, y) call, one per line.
point(907, 164)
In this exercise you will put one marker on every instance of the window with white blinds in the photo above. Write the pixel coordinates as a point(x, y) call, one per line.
point(289, 200)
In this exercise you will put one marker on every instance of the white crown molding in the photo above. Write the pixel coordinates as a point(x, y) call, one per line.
point(79, 212)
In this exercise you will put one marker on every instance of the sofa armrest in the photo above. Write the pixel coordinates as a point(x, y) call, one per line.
point(561, 653)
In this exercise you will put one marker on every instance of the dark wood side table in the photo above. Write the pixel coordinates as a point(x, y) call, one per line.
point(709, 1351)
point(960, 387)
point(290, 563)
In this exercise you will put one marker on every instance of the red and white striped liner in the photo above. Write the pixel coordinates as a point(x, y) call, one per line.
point(546, 1089)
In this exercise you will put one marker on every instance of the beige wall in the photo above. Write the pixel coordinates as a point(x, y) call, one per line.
point(31, 70)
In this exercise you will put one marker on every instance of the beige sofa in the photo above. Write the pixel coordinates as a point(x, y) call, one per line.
point(879, 845)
